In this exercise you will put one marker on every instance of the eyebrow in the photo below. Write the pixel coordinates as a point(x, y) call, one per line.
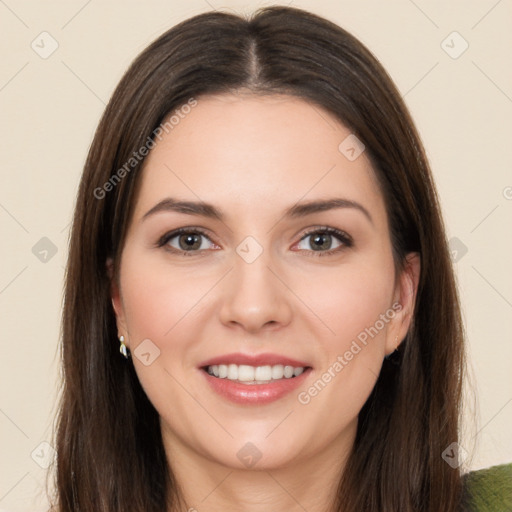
point(298, 210)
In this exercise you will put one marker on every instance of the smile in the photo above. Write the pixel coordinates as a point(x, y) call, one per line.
point(254, 374)
point(254, 379)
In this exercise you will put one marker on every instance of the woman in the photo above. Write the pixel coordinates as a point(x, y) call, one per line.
point(257, 232)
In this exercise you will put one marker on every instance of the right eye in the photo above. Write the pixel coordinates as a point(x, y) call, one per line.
point(186, 240)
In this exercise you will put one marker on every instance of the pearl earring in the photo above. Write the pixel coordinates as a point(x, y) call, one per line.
point(123, 349)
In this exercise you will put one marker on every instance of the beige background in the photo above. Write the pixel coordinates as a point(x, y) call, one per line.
point(50, 108)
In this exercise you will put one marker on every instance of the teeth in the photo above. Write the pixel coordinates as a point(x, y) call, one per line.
point(277, 371)
point(297, 371)
point(263, 373)
point(254, 374)
point(232, 372)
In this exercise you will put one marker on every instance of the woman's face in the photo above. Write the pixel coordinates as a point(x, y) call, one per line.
point(284, 261)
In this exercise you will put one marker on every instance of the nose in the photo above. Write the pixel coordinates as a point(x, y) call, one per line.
point(254, 297)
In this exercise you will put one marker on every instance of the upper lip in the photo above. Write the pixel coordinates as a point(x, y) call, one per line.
point(266, 359)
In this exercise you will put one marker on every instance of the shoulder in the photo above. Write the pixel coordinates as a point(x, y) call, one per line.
point(488, 490)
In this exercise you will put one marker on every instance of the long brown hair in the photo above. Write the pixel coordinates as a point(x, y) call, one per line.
point(110, 451)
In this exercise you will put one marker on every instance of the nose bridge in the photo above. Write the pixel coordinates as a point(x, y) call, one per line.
point(254, 296)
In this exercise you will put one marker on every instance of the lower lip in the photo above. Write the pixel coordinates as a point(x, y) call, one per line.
point(255, 394)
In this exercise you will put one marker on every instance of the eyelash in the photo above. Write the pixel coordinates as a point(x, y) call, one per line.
point(342, 237)
point(164, 240)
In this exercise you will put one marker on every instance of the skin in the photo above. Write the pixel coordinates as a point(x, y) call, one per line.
point(254, 157)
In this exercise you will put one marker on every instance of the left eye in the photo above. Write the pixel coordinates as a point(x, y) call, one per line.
point(322, 241)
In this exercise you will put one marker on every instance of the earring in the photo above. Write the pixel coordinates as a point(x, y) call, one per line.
point(123, 349)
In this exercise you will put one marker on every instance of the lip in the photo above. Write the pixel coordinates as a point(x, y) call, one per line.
point(265, 359)
point(254, 394)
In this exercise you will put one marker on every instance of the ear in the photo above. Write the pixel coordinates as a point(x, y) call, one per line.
point(404, 300)
point(117, 303)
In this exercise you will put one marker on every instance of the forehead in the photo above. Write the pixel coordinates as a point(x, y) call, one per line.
point(263, 152)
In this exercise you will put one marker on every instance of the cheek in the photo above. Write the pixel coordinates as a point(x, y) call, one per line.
point(156, 299)
point(348, 299)
point(161, 306)
point(353, 307)
point(353, 303)
point(164, 304)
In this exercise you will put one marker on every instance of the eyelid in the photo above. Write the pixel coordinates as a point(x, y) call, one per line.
point(345, 240)
point(342, 235)
point(164, 239)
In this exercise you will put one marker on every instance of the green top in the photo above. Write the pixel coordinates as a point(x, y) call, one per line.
point(489, 490)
